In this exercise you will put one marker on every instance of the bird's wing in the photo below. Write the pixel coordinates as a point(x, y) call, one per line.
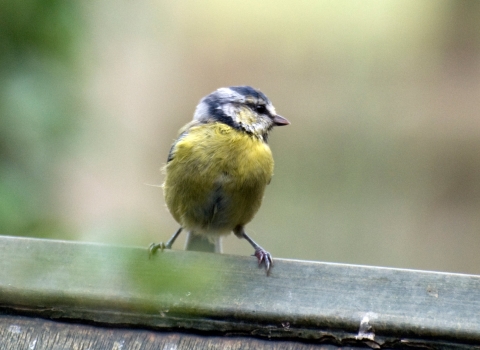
point(181, 134)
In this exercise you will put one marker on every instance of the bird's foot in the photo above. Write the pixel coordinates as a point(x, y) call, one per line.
point(152, 248)
point(264, 257)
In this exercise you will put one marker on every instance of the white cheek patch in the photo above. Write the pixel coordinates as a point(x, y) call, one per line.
point(248, 120)
point(260, 127)
point(256, 125)
point(230, 110)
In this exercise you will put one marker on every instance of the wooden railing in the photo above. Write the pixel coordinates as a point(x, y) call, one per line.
point(109, 293)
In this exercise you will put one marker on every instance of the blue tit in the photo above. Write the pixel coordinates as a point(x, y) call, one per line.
point(218, 168)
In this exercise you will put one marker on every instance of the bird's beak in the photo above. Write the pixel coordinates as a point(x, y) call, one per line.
point(278, 120)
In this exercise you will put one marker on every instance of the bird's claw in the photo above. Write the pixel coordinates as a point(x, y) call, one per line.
point(264, 257)
point(152, 248)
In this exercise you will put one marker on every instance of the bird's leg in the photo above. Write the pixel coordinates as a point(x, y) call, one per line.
point(262, 255)
point(156, 246)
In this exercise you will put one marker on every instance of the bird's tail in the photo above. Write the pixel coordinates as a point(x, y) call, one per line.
point(202, 243)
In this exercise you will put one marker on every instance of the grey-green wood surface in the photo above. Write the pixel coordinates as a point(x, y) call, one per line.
point(223, 294)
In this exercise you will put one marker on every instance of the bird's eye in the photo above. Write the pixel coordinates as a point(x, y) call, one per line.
point(261, 109)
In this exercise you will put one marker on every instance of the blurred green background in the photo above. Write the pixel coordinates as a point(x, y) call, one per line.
point(380, 166)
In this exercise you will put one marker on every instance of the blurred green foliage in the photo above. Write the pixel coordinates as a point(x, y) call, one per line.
point(38, 39)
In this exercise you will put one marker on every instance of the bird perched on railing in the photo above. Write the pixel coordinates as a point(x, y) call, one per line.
point(218, 168)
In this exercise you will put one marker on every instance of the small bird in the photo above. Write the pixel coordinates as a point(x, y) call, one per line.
point(218, 168)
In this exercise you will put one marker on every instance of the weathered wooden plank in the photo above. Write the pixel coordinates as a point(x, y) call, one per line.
point(338, 303)
point(17, 332)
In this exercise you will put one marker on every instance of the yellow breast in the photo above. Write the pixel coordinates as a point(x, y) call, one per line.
point(217, 178)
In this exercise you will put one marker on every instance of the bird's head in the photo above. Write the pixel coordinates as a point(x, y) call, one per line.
point(241, 107)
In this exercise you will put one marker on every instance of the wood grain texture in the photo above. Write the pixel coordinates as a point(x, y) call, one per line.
point(18, 332)
point(202, 292)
